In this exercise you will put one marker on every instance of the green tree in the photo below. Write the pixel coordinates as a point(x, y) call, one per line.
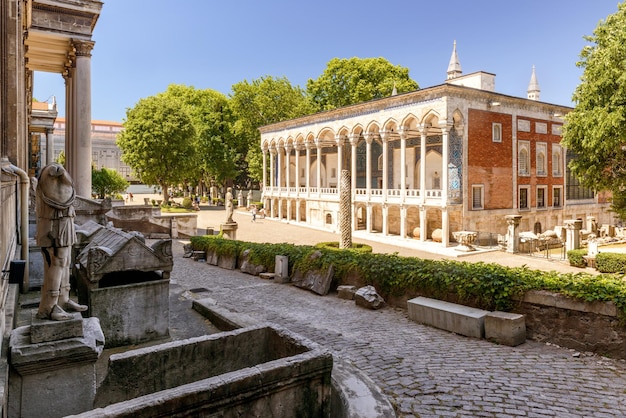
point(158, 141)
point(595, 130)
point(107, 182)
point(262, 102)
point(355, 80)
point(218, 153)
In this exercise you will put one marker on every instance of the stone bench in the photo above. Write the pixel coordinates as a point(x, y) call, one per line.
point(459, 319)
point(505, 328)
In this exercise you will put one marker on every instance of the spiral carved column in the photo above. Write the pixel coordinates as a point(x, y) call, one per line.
point(345, 210)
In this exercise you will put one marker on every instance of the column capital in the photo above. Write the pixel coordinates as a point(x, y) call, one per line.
point(385, 135)
point(318, 142)
point(82, 48)
point(308, 145)
point(340, 139)
point(354, 139)
point(288, 147)
point(445, 126)
point(423, 128)
point(369, 137)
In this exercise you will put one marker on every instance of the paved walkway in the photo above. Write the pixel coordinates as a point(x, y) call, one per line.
point(425, 372)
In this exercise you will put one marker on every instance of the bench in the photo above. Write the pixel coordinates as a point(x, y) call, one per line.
point(459, 319)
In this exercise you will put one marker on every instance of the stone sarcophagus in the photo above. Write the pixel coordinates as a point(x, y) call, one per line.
point(125, 284)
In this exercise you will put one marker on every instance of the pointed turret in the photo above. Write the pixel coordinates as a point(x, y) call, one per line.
point(394, 92)
point(533, 87)
point(454, 68)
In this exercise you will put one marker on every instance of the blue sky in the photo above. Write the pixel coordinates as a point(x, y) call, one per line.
point(142, 46)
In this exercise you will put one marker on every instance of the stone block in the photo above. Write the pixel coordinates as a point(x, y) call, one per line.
point(452, 317)
point(267, 276)
point(281, 269)
point(505, 328)
point(45, 330)
point(346, 292)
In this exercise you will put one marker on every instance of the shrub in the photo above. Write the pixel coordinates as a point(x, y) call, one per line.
point(611, 262)
point(334, 245)
point(576, 259)
point(204, 199)
point(187, 203)
point(484, 285)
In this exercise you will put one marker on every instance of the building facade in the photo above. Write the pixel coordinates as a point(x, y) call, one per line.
point(454, 157)
point(104, 151)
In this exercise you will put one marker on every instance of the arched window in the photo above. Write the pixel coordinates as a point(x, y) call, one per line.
point(541, 164)
point(523, 162)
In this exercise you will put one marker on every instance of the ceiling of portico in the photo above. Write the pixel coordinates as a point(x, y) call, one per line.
point(52, 26)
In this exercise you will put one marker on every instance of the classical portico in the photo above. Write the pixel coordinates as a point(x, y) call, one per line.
point(58, 40)
point(400, 165)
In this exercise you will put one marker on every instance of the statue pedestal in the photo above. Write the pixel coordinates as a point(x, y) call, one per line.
point(229, 230)
point(57, 374)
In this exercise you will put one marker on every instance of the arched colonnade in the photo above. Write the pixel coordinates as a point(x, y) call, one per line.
point(406, 175)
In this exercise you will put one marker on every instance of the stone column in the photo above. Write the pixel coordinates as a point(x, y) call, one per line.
point(423, 226)
point(49, 146)
point(288, 148)
point(385, 214)
point(403, 136)
point(279, 168)
point(69, 120)
point(354, 140)
point(384, 136)
point(422, 185)
point(345, 210)
point(368, 166)
point(573, 227)
point(512, 234)
point(445, 131)
point(318, 166)
point(307, 174)
point(402, 221)
point(297, 179)
point(264, 169)
point(272, 178)
point(445, 227)
point(339, 139)
point(81, 160)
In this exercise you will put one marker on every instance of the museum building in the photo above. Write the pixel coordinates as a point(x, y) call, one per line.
point(454, 157)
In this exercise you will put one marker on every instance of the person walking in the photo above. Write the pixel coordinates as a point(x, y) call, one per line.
point(253, 214)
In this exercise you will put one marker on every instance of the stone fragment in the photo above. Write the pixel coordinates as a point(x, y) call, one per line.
point(248, 267)
point(346, 292)
point(367, 297)
point(318, 281)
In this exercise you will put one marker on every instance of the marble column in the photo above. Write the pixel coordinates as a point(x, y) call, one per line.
point(81, 159)
point(384, 136)
point(49, 146)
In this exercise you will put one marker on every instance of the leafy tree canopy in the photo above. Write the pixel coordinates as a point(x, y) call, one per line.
point(107, 182)
point(218, 152)
point(262, 102)
point(355, 80)
point(157, 141)
point(596, 129)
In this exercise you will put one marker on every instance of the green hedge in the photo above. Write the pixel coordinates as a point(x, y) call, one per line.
point(611, 263)
point(576, 259)
point(485, 285)
point(334, 245)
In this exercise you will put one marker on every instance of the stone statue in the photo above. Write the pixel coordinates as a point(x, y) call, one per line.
point(240, 198)
point(228, 201)
point(55, 236)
